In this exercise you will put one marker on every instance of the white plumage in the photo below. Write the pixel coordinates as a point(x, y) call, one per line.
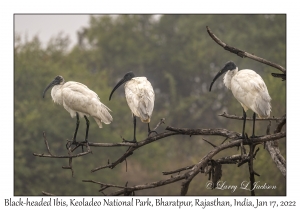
point(249, 89)
point(140, 98)
point(77, 98)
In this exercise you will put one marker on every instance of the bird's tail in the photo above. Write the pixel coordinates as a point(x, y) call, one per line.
point(102, 115)
point(263, 104)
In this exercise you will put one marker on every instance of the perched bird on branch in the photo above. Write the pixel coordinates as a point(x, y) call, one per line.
point(79, 101)
point(249, 89)
point(140, 99)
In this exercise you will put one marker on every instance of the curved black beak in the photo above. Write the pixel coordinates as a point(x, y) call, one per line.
point(228, 66)
point(128, 76)
point(54, 82)
point(216, 77)
point(117, 85)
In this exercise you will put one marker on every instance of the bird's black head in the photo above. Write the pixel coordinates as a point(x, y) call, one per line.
point(229, 66)
point(128, 76)
point(58, 80)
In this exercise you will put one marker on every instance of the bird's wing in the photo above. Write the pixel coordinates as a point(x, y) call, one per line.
point(81, 99)
point(251, 91)
point(140, 97)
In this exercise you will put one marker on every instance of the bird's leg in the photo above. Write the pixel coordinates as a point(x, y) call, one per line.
point(77, 125)
point(134, 128)
point(75, 133)
point(244, 122)
point(254, 118)
point(87, 129)
point(150, 131)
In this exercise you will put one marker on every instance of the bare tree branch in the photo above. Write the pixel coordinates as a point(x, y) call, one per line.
point(46, 193)
point(81, 144)
point(58, 156)
point(281, 124)
point(196, 169)
point(206, 131)
point(234, 159)
point(69, 156)
point(103, 185)
point(70, 162)
point(175, 131)
point(188, 176)
point(147, 186)
point(193, 170)
point(133, 148)
point(282, 76)
point(250, 119)
point(162, 121)
point(245, 54)
point(273, 149)
point(177, 170)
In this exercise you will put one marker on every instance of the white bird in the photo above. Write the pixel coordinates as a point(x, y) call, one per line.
point(249, 89)
point(79, 101)
point(140, 98)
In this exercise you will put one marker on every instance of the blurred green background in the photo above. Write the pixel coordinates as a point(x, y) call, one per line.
point(179, 58)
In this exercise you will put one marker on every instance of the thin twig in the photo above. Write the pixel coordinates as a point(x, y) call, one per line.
point(224, 141)
point(46, 143)
point(62, 156)
point(177, 170)
point(162, 121)
point(208, 142)
point(46, 193)
point(103, 188)
point(70, 162)
point(104, 184)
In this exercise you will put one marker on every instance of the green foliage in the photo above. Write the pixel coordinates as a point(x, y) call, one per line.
point(179, 58)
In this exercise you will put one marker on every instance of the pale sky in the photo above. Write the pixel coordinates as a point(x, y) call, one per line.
point(47, 26)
